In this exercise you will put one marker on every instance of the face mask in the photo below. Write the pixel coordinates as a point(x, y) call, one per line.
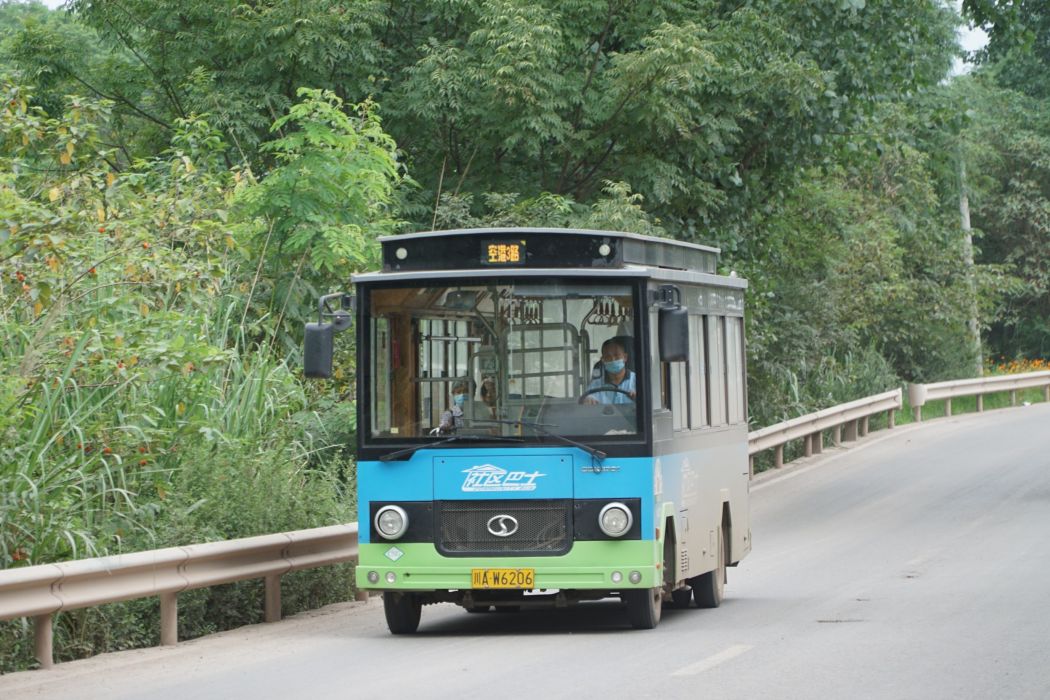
point(459, 399)
point(615, 367)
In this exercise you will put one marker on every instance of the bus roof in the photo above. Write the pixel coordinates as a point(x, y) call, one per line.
point(627, 271)
point(487, 248)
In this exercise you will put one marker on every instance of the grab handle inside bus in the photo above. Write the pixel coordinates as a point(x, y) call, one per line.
point(319, 339)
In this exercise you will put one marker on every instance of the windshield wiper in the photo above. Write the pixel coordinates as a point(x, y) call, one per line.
point(453, 438)
point(542, 429)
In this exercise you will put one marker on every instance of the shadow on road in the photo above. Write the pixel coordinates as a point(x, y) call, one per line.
point(584, 618)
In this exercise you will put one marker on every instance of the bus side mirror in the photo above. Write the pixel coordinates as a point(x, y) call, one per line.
point(319, 340)
point(674, 334)
point(319, 346)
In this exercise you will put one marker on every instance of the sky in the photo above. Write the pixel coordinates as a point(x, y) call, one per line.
point(970, 40)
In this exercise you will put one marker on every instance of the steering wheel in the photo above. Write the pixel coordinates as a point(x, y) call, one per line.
point(607, 387)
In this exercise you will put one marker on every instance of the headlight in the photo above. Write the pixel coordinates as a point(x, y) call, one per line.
point(615, 519)
point(391, 522)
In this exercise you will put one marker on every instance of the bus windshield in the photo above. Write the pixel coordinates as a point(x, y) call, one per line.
point(504, 359)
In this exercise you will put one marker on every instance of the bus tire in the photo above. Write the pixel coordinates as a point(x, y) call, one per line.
point(644, 607)
point(402, 612)
point(709, 588)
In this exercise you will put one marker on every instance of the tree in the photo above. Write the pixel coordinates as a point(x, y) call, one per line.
point(707, 108)
point(1012, 210)
point(1013, 204)
point(325, 202)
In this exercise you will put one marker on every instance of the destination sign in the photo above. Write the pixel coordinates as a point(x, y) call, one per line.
point(503, 252)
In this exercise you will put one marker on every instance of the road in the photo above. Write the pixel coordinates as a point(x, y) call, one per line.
point(914, 566)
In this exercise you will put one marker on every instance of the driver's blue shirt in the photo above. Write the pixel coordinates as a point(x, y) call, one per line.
point(628, 384)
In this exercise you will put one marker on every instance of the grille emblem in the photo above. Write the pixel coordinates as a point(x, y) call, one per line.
point(502, 525)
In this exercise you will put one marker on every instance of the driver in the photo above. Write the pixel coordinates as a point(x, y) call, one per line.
point(615, 375)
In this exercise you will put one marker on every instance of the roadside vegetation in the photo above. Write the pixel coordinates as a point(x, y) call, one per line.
point(170, 211)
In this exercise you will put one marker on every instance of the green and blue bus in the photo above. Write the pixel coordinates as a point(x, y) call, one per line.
point(545, 417)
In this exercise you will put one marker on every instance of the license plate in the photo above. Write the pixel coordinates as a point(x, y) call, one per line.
point(503, 578)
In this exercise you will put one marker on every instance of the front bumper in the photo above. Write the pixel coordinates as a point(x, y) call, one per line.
point(587, 566)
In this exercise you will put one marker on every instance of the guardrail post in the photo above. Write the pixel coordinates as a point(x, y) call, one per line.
point(778, 456)
point(1046, 393)
point(947, 408)
point(818, 442)
point(43, 641)
point(1013, 397)
point(891, 419)
point(863, 426)
point(836, 436)
point(851, 431)
point(273, 598)
point(917, 398)
point(169, 619)
point(980, 403)
point(808, 440)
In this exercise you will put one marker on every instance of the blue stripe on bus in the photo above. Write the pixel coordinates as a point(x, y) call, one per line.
point(517, 473)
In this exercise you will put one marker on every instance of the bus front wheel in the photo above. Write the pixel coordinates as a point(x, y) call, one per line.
point(709, 588)
point(402, 612)
point(644, 607)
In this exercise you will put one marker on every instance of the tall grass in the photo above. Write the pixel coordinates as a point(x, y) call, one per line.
point(78, 463)
point(159, 455)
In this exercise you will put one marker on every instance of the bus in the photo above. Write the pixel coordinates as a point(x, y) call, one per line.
point(545, 417)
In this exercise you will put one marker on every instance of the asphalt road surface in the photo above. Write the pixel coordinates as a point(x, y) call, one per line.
point(913, 566)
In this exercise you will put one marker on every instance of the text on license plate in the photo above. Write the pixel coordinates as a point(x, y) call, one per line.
point(503, 578)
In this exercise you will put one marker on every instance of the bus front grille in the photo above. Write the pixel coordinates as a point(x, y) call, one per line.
point(504, 528)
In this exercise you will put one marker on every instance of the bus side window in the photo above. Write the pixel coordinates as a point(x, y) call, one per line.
point(697, 374)
point(716, 364)
point(735, 369)
point(659, 384)
point(679, 377)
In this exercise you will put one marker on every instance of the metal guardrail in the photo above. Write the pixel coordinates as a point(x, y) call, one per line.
point(920, 394)
point(853, 416)
point(41, 591)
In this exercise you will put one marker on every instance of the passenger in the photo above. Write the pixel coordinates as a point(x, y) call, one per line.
point(489, 395)
point(453, 419)
point(615, 374)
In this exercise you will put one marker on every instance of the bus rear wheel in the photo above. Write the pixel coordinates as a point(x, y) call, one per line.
point(709, 588)
point(644, 607)
point(402, 612)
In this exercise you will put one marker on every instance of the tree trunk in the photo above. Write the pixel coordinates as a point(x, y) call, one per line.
point(972, 323)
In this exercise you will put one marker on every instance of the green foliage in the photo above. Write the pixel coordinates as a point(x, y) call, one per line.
point(145, 401)
point(1018, 50)
point(618, 209)
point(1013, 213)
point(242, 63)
point(705, 108)
point(325, 201)
point(329, 193)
